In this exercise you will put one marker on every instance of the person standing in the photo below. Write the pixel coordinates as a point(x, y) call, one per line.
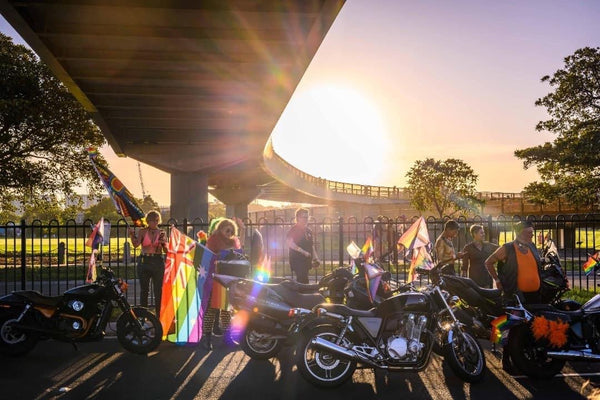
point(302, 252)
point(444, 248)
point(151, 265)
point(474, 256)
point(518, 272)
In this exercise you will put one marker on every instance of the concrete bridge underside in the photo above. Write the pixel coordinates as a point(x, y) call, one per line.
point(193, 88)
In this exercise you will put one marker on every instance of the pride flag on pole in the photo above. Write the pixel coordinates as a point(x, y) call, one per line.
point(420, 258)
point(415, 236)
point(372, 278)
point(186, 286)
point(121, 197)
point(591, 263)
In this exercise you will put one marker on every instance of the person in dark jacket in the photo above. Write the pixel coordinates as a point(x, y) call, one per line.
point(474, 256)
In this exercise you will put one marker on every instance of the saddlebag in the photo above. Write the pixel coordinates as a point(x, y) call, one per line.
point(239, 268)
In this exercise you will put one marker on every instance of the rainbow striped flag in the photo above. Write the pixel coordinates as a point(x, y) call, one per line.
point(219, 298)
point(367, 249)
point(420, 258)
point(184, 300)
point(499, 326)
point(591, 263)
point(415, 236)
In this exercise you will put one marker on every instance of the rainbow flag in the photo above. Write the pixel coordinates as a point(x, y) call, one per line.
point(415, 236)
point(372, 278)
point(121, 197)
point(591, 263)
point(97, 235)
point(219, 298)
point(420, 258)
point(185, 289)
point(499, 326)
point(367, 249)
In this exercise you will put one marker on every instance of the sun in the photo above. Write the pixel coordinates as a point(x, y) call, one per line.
point(333, 132)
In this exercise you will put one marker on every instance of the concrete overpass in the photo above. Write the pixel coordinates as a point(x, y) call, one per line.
point(193, 88)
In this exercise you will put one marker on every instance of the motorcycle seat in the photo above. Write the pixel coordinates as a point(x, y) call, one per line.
point(301, 287)
point(37, 298)
point(345, 310)
point(487, 293)
point(295, 299)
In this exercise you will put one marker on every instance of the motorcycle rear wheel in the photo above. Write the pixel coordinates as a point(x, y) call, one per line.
point(13, 341)
point(465, 357)
point(529, 356)
point(134, 339)
point(258, 345)
point(320, 367)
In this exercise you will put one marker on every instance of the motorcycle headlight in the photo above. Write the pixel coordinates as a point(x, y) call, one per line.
point(76, 305)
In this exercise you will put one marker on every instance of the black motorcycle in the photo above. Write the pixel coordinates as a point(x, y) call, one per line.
point(541, 338)
point(477, 307)
point(262, 316)
point(396, 335)
point(79, 315)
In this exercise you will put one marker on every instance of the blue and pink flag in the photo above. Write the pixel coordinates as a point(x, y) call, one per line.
point(186, 289)
point(97, 235)
point(373, 275)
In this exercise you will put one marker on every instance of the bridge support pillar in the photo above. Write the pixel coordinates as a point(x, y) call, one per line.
point(189, 196)
point(236, 199)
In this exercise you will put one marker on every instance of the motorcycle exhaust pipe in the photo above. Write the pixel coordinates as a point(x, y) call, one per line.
point(342, 351)
point(572, 355)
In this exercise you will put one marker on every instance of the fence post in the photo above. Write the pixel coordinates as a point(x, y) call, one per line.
point(23, 254)
point(341, 242)
point(61, 253)
point(126, 252)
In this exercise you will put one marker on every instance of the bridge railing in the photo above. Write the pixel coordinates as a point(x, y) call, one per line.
point(51, 257)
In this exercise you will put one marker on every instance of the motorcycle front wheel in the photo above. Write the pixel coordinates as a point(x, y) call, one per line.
point(529, 356)
point(14, 341)
point(259, 345)
point(320, 367)
point(140, 335)
point(465, 356)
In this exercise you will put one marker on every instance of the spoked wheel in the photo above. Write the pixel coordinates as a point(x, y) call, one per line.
point(141, 336)
point(259, 345)
point(465, 356)
point(530, 355)
point(14, 341)
point(320, 367)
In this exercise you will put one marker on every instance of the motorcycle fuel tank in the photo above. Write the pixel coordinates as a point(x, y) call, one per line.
point(404, 302)
point(592, 304)
point(85, 291)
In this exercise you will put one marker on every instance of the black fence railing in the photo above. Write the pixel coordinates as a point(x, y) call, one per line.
point(51, 257)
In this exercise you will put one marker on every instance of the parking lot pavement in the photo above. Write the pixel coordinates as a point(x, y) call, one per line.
point(103, 370)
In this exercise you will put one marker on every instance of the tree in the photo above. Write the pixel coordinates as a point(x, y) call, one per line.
point(44, 131)
point(570, 165)
point(444, 186)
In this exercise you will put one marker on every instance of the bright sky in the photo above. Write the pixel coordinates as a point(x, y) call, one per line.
point(398, 81)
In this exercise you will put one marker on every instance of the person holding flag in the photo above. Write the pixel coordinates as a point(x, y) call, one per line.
point(151, 265)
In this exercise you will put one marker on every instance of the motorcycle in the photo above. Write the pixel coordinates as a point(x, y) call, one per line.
point(79, 315)
point(542, 338)
point(396, 335)
point(477, 307)
point(262, 317)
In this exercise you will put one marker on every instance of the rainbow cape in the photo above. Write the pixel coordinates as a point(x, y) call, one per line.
point(591, 263)
point(186, 286)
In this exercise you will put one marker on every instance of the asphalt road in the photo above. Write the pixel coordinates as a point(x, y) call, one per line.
point(103, 370)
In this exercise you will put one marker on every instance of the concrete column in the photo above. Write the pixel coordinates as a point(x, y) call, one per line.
point(236, 199)
point(239, 210)
point(189, 196)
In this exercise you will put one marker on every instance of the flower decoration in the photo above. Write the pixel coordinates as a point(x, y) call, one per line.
point(539, 327)
point(554, 331)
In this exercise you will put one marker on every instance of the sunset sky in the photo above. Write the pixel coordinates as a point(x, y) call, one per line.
point(397, 81)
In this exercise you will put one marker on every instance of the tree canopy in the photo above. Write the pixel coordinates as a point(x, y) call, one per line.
point(44, 131)
point(444, 186)
point(570, 165)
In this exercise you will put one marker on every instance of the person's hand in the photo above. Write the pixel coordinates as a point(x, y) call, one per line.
point(315, 263)
point(461, 254)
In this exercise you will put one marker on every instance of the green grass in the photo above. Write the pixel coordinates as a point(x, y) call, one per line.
point(579, 295)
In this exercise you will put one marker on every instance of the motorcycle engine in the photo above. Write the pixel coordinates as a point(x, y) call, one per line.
point(406, 345)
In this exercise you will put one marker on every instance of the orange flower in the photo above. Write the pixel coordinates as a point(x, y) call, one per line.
point(540, 327)
point(558, 333)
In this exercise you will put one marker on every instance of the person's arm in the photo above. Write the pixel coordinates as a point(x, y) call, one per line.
point(162, 240)
point(490, 264)
point(136, 240)
point(315, 256)
point(292, 245)
point(465, 261)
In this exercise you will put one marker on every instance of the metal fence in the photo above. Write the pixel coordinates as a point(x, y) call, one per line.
point(51, 257)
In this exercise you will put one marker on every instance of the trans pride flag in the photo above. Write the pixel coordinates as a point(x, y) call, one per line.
point(416, 239)
point(186, 287)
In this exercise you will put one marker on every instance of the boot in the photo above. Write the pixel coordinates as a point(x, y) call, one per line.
point(217, 331)
point(205, 342)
